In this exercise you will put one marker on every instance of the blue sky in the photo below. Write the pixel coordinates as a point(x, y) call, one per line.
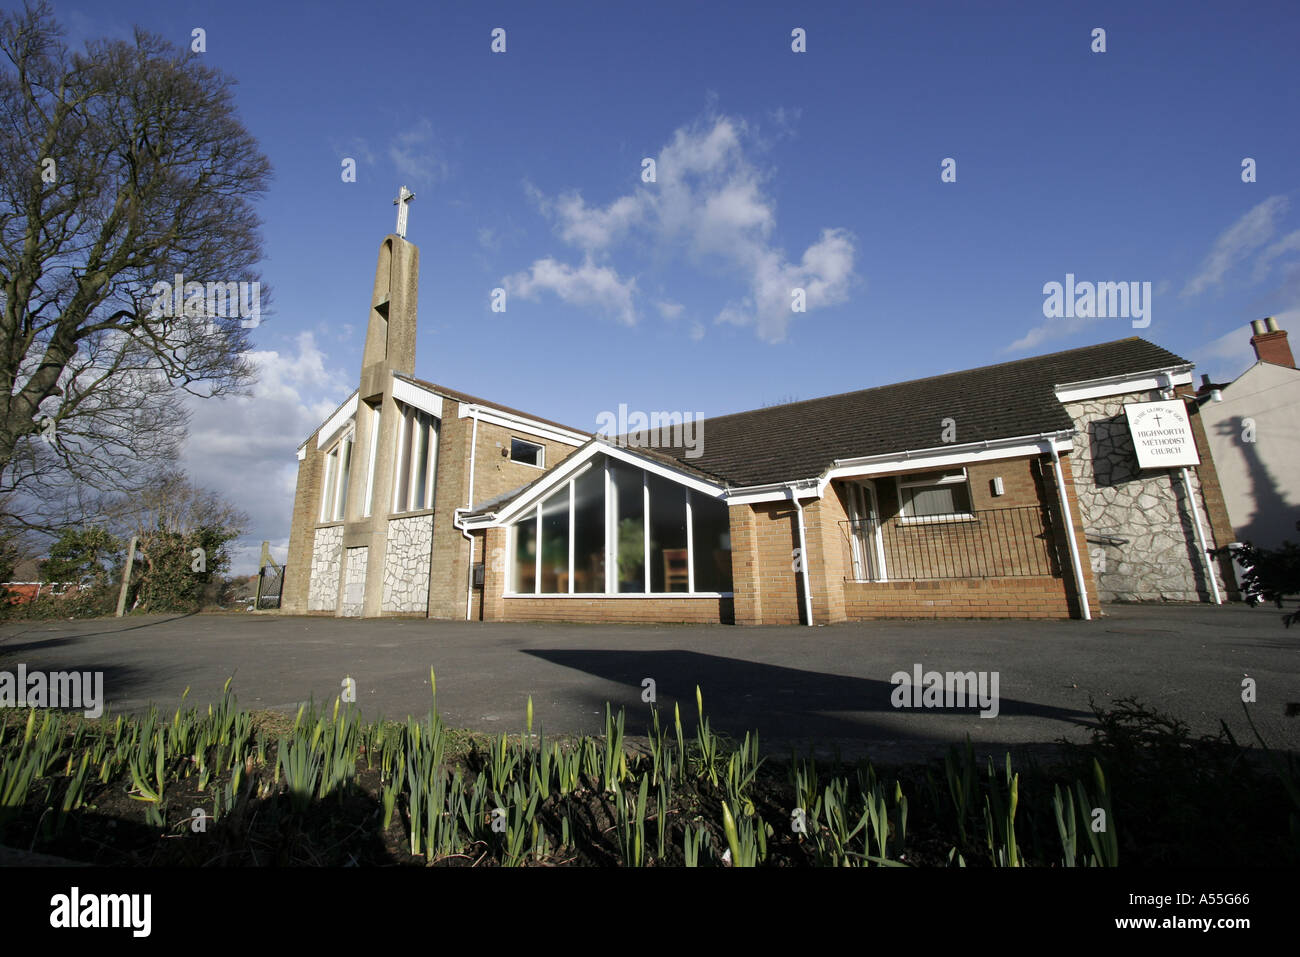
point(776, 169)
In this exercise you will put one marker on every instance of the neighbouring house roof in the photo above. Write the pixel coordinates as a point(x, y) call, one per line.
point(801, 440)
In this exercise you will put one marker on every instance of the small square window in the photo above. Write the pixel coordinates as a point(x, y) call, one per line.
point(527, 453)
point(934, 495)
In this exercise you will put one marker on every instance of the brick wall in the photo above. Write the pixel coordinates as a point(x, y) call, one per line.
point(829, 558)
point(647, 610)
point(745, 567)
point(958, 598)
point(494, 474)
point(1012, 543)
point(776, 535)
point(1009, 540)
point(1216, 507)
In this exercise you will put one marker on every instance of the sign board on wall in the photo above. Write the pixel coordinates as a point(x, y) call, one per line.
point(1162, 434)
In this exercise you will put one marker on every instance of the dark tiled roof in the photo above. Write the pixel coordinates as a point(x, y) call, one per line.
point(802, 439)
point(475, 400)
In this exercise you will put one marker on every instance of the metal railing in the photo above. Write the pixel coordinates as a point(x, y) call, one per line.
point(270, 583)
point(1017, 542)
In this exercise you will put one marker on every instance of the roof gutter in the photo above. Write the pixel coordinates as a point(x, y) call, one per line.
point(954, 449)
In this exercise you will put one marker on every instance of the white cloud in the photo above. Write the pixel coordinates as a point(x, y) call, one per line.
point(412, 154)
point(708, 202)
point(588, 286)
point(357, 148)
point(242, 447)
point(1049, 330)
point(1228, 356)
point(594, 229)
point(1289, 243)
point(1238, 241)
point(669, 309)
point(824, 274)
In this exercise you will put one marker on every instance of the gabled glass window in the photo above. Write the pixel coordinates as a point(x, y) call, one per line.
point(616, 529)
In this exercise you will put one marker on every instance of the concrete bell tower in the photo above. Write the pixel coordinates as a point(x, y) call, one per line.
point(390, 347)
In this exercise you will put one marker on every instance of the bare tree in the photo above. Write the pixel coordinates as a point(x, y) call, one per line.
point(184, 532)
point(172, 504)
point(121, 169)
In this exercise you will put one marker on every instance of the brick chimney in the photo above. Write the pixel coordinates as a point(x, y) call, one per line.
point(1270, 343)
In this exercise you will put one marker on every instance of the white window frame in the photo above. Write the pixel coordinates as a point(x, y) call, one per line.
point(952, 477)
point(334, 494)
point(541, 453)
point(376, 419)
point(416, 426)
point(534, 515)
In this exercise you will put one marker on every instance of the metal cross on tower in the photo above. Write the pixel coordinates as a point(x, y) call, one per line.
point(403, 204)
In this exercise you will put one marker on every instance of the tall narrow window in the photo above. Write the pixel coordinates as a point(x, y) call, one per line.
point(669, 565)
point(327, 487)
point(375, 423)
point(589, 529)
point(345, 471)
point(524, 579)
point(555, 543)
point(710, 543)
point(628, 513)
point(416, 461)
point(334, 490)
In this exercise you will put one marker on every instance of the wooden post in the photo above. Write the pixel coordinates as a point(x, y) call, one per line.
point(126, 577)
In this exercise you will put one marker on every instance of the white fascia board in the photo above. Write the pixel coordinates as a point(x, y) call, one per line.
point(572, 464)
point(518, 423)
point(631, 457)
point(931, 459)
point(302, 451)
point(1121, 384)
point(336, 422)
point(778, 492)
point(914, 460)
point(417, 396)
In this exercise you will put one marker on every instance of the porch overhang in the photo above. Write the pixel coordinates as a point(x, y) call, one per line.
point(938, 457)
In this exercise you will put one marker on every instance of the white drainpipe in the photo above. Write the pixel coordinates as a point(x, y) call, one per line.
point(1069, 532)
point(1200, 537)
point(456, 519)
point(803, 558)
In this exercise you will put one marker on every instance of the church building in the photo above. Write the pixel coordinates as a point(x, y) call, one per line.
point(1011, 490)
